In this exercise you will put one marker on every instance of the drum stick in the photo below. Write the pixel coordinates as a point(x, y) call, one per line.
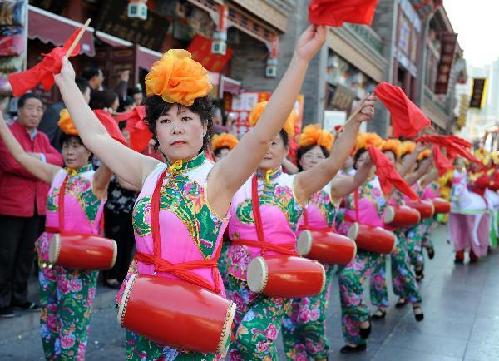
point(78, 37)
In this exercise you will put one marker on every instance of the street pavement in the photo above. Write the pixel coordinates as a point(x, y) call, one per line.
point(461, 305)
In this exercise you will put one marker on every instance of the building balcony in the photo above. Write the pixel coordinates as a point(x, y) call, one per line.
point(368, 35)
point(435, 109)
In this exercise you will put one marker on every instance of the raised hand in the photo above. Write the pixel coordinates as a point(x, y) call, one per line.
point(365, 111)
point(67, 72)
point(310, 42)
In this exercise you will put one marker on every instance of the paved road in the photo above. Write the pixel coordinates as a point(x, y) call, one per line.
point(461, 306)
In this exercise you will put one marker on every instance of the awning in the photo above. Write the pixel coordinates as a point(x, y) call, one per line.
point(145, 57)
point(55, 29)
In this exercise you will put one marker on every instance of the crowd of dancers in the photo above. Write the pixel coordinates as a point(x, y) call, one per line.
point(232, 252)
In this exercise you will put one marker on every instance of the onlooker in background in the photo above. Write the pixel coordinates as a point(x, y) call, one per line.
point(122, 85)
point(22, 206)
point(51, 116)
point(106, 100)
point(118, 226)
point(126, 105)
point(94, 76)
point(137, 95)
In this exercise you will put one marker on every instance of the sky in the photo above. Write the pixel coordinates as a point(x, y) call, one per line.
point(477, 25)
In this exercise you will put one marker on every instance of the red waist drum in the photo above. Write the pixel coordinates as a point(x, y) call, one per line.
point(441, 206)
point(79, 251)
point(285, 276)
point(372, 239)
point(401, 216)
point(425, 208)
point(326, 247)
point(176, 313)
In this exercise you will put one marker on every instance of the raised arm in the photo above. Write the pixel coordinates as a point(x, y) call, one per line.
point(101, 180)
point(344, 185)
point(423, 170)
point(32, 163)
point(231, 172)
point(410, 160)
point(311, 181)
point(124, 162)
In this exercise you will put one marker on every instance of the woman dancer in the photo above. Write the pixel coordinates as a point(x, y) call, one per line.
point(195, 193)
point(258, 317)
point(222, 144)
point(66, 295)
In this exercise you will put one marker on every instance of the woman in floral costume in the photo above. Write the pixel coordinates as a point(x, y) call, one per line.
point(66, 295)
point(194, 193)
point(281, 198)
point(304, 331)
point(352, 277)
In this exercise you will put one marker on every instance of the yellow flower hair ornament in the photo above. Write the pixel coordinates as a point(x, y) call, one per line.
point(390, 145)
point(406, 147)
point(224, 140)
point(424, 154)
point(257, 111)
point(66, 124)
point(314, 135)
point(365, 140)
point(177, 78)
point(495, 157)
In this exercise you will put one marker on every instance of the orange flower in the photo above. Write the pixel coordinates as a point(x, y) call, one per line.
point(314, 135)
point(177, 78)
point(257, 111)
point(406, 147)
point(365, 140)
point(392, 145)
point(66, 124)
point(424, 154)
point(224, 140)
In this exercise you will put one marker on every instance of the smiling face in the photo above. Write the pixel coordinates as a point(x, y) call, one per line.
point(275, 154)
point(74, 153)
point(180, 133)
point(311, 158)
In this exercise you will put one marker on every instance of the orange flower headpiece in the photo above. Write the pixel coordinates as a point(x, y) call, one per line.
point(365, 140)
point(66, 124)
point(483, 155)
point(177, 78)
point(257, 111)
point(406, 147)
point(314, 135)
point(224, 140)
point(391, 145)
point(424, 154)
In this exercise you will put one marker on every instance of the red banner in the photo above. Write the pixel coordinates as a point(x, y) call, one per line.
point(200, 49)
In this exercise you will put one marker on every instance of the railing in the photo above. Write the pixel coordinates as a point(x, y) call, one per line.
point(368, 35)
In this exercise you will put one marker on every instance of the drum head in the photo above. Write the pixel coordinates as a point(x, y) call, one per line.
point(353, 231)
point(224, 344)
point(304, 243)
point(388, 215)
point(124, 299)
point(257, 275)
point(54, 249)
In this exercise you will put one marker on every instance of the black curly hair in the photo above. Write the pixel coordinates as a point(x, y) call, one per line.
point(203, 106)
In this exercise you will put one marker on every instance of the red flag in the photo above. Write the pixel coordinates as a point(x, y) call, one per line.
point(407, 119)
point(442, 163)
point(43, 72)
point(110, 124)
point(388, 175)
point(337, 12)
point(140, 135)
point(455, 146)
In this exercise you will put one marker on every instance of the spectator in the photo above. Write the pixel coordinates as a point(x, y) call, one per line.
point(95, 77)
point(106, 100)
point(122, 85)
point(50, 118)
point(22, 207)
point(137, 95)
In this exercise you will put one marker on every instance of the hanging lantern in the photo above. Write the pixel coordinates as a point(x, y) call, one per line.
point(219, 43)
point(137, 9)
point(272, 62)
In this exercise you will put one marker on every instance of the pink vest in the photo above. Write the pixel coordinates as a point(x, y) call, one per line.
point(83, 211)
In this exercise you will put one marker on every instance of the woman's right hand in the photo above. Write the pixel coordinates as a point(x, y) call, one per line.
point(310, 42)
point(67, 72)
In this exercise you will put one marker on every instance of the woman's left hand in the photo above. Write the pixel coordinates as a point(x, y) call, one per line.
point(365, 111)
